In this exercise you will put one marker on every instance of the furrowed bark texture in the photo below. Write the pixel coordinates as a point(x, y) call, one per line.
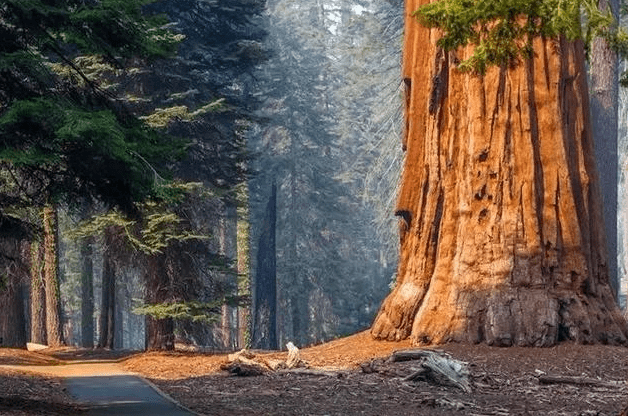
point(502, 237)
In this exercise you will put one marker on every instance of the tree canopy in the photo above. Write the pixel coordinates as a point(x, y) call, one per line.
point(502, 31)
point(63, 135)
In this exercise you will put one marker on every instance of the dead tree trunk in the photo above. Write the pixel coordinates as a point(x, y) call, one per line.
point(502, 237)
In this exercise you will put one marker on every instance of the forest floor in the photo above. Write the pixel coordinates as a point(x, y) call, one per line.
point(567, 379)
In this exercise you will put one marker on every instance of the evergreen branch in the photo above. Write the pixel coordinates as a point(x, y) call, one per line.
point(502, 31)
point(195, 311)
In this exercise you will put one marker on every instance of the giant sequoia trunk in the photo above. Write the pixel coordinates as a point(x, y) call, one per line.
point(502, 237)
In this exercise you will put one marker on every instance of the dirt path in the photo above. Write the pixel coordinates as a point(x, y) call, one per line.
point(106, 388)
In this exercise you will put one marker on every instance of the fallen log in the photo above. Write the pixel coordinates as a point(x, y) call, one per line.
point(579, 381)
point(314, 372)
point(409, 355)
point(442, 371)
point(244, 369)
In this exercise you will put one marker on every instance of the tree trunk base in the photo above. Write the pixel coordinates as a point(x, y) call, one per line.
point(524, 317)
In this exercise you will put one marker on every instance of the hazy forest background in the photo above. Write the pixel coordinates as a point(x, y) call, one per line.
point(293, 110)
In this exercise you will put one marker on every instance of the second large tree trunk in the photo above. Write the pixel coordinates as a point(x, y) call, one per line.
point(502, 237)
point(603, 72)
point(87, 293)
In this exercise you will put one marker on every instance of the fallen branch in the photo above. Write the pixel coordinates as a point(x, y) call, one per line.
point(579, 381)
point(314, 372)
point(409, 355)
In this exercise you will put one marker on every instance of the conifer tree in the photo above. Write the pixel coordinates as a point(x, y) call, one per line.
point(62, 134)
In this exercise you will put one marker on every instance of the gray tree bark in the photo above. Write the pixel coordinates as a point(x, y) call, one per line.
point(87, 294)
point(264, 326)
point(604, 75)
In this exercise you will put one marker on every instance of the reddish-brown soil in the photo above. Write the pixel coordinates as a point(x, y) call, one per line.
point(505, 381)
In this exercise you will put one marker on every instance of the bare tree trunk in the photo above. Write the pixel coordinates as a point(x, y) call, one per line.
point(159, 332)
point(119, 322)
point(228, 248)
point(38, 295)
point(244, 288)
point(108, 301)
point(264, 328)
point(51, 277)
point(12, 319)
point(87, 294)
point(501, 225)
point(604, 76)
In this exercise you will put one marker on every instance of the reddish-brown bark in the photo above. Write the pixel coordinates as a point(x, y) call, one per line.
point(502, 237)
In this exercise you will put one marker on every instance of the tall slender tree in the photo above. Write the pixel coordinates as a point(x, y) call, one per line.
point(87, 292)
point(54, 331)
point(604, 78)
point(107, 319)
point(37, 295)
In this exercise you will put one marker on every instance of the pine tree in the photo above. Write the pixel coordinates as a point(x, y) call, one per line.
point(62, 135)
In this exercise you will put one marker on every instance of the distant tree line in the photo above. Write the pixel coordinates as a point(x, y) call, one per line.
point(81, 137)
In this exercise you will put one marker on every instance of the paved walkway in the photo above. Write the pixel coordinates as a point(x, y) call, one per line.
point(109, 390)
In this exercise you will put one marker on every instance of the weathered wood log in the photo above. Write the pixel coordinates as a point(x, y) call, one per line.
point(444, 372)
point(245, 369)
point(409, 355)
point(314, 372)
point(579, 381)
point(294, 357)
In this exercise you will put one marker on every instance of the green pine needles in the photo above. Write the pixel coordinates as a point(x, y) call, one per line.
point(502, 31)
point(206, 312)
